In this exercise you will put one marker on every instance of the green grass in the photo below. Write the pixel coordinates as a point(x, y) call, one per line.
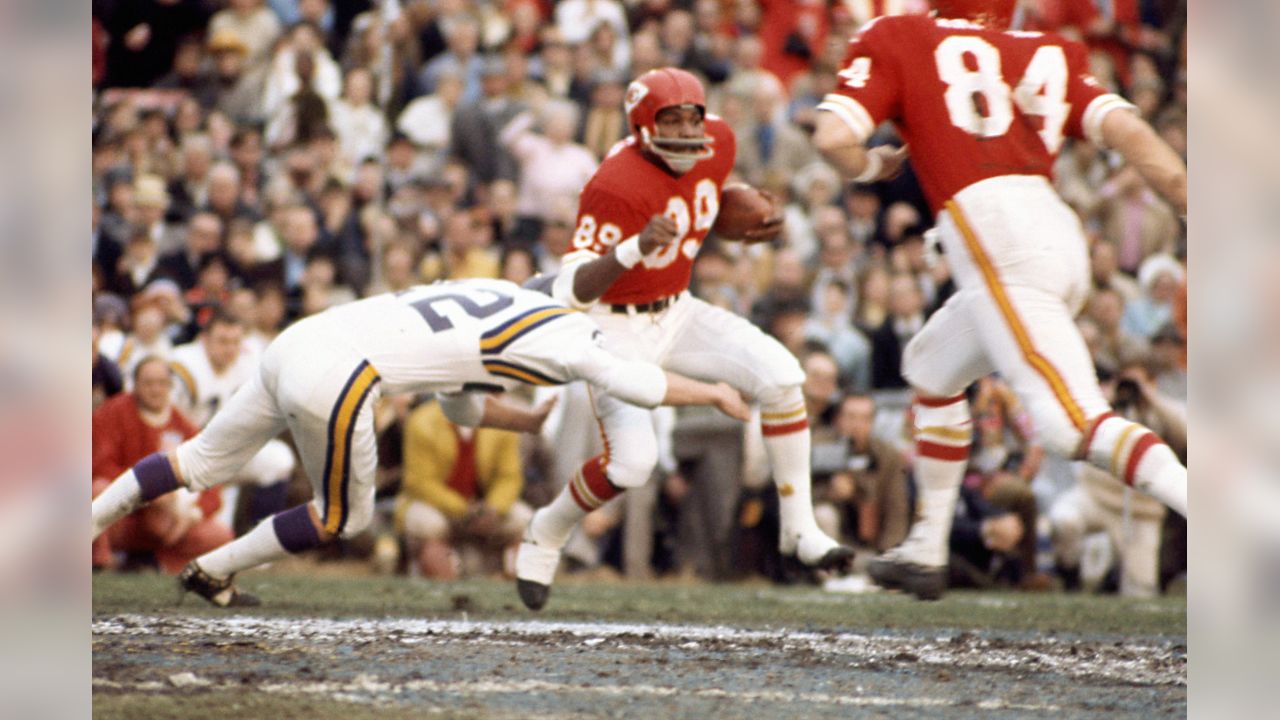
point(744, 605)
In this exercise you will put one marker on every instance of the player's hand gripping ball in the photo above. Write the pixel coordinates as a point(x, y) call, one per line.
point(747, 214)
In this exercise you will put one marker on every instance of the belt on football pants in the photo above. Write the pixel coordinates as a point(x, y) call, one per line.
point(656, 306)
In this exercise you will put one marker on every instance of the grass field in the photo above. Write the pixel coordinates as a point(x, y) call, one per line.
point(351, 647)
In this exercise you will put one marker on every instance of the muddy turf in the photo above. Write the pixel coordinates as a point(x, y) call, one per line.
point(362, 647)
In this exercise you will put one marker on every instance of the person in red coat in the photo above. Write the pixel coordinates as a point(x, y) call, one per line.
point(177, 527)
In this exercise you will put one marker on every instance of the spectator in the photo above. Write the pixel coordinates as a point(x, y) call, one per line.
point(866, 498)
point(224, 197)
point(146, 338)
point(831, 324)
point(1160, 276)
point(107, 381)
point(142, 37)
point(552, 166)
point(768, 145)
point(359, 124)
point(821, 390)
point(177, 527)
point(255, 25)
point(1133, 217)
point(428, 120)
point(461, 60)
point(239, 87)
point(204, 237)
point(300, 63)
point(1105, 271)
point(1115, 346)
point(461, 485)
point(812, 212)
point(461, 256)
point(1098, 501)
point(982, 536)
point(605, 123)
point(476, 126)
point(905, 318)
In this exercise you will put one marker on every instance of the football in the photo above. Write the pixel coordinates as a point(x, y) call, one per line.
point(742, 208)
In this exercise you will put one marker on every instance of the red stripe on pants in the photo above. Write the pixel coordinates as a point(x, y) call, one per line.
point(937, 451)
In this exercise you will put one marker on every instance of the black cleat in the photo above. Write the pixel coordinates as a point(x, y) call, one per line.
point(221, 593)
point(925, 583)
point(838, 560)
point(533, 594)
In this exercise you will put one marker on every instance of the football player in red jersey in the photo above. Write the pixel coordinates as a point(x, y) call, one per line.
point(985, 111)
point(641, 220)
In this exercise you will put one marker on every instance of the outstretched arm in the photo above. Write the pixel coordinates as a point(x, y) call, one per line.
point(1128, 134)
point(471, 409)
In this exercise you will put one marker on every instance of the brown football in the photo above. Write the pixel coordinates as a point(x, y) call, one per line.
point(742, 208)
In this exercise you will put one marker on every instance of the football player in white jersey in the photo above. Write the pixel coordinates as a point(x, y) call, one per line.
point(209, 371)
point(320, 376)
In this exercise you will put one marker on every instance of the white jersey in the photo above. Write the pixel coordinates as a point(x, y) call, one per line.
point(200, 391)
point(476, 335)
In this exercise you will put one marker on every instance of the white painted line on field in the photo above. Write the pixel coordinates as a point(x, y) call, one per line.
point(362, 687)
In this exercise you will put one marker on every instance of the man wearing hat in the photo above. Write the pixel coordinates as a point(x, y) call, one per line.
point(239, 84)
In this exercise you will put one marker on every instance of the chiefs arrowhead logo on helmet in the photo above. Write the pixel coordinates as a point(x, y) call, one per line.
point(655, 91)
point(995, 14)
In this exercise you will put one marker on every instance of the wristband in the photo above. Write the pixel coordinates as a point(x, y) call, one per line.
point(875, 164)
point(627, 252)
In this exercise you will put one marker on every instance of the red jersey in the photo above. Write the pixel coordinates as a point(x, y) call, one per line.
point(972, 103)
point(628, 189)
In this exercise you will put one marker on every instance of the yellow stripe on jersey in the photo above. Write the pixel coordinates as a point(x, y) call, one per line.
point(1033, 357)
point(341, 429)
point(187, 379)
point(511, 370)
point(499, 338)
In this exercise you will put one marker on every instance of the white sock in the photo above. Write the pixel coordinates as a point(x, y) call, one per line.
point(259, 545)
point(121, 497)
point(1136, 456)
point(942, 433)
point(785, 426)
point(587, 490)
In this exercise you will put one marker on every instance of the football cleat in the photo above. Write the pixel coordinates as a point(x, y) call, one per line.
point(535, 569)
point(891, 573)
point(222, 593)
point(815, 550)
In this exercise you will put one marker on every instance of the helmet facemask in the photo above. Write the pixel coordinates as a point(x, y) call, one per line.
point(679, 153)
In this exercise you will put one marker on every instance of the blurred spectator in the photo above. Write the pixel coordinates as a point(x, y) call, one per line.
point(107, 380)
point(428, 120)
point(204, 237)
point(1131, 215)
point(831, 323)
point(1160, 276)
point(605, 122)
point(768, 145)
point(476, 126)
point(1114, 346)
point(982, 537)
point(146, 338)
point(1168, 362)
point(255, 25)
point(239, 86)
point(788, 289)
point(460, 485)
point(359, 124)
point(552, 166)
point(812, 214)
point(190, 189)
point(577, 20)
point(905, 318)
point(821, 390)
point(866, 499)
point(1105, 271)
point(143, 35)
point(176, 527)
point(462, 60)
point(1100, 502)
point(461, 255)
point(872, 307)
point(300, 65)
point(1003, 460)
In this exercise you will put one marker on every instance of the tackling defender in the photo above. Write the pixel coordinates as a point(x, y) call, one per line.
point(641, 220)
point(985, 111)
point(320, 376)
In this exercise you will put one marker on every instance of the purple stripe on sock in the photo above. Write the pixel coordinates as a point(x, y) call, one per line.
point(294, 529)
point(155, 476)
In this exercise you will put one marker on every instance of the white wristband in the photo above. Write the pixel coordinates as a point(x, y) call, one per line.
point(875, 163)
point(628, 252)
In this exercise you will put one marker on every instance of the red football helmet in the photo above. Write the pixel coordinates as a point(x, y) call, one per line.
point(654, 91)
point(995, 14)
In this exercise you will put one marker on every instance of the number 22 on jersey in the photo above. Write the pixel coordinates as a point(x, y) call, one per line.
point(699, 219)
point(1042, 91)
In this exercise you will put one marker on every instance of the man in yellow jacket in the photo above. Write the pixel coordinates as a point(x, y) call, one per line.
point(461, 485)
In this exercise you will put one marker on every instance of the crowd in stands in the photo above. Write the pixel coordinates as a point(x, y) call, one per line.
point(259, 161)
